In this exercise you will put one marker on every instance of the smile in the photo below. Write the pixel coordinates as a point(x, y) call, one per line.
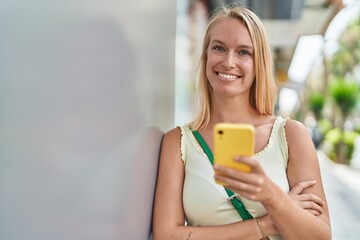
point(227, 76)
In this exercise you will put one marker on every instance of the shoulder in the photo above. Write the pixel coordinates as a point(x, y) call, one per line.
point(177, 132)
point(175, 136)
point(171, 146)
point(294, 125)
point(298, 139)
point(178, 141)
point(172, 136)
point(295, 129)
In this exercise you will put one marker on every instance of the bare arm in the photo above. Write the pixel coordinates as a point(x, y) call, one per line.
point(289, 218)
point(303, 165)
point(169, 216)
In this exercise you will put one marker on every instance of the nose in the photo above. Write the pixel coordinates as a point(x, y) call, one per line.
point(229, 61)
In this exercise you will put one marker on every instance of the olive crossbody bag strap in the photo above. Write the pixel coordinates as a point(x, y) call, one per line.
point(234, 199)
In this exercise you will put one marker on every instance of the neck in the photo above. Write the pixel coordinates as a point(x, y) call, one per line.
point(232, 110)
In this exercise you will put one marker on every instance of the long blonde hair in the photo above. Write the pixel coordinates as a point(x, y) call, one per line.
point(262, 93)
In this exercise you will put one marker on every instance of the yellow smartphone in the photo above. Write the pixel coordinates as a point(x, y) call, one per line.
point(232, 140)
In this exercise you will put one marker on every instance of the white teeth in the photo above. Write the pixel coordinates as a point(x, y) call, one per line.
point(227, 76)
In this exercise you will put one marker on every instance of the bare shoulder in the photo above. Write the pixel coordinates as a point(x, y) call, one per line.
point(300, 144)
point(172, 136)
point(294, 125)
point(171, 144)
point(175, 132)
point(295, 130)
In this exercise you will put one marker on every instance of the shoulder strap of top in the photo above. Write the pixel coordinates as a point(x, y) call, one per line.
point(281, 135)
point(204, 146)
point(234, 199)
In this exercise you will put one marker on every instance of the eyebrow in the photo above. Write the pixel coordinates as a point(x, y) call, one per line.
point(240, 46)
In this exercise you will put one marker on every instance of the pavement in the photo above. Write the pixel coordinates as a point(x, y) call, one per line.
point(342, 188)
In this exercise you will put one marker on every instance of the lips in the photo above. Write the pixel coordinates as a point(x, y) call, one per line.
point(227, 76)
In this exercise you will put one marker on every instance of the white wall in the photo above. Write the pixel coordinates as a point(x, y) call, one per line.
point(86, 91)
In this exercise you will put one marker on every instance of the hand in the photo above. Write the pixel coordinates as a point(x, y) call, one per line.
point(268, 226)
point(307, 201)
point(254, 185)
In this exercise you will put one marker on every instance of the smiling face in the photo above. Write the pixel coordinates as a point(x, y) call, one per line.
point(230, 58)
point(237, 34)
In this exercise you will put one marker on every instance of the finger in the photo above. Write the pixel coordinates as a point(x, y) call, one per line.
point(237, 175)
point(237, 186)
point(251, 162)
point(299, 187)
point(313, 212)
point(311, 206)
point(310, 197)
point(248, 160)
point(250, 196)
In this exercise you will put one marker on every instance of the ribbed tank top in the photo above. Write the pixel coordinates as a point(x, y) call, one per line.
point(205, 201)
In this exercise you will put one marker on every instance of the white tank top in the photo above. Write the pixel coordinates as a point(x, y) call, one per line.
point(205, 202)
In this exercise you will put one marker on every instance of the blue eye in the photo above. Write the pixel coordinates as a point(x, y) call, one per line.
point(244, 52)
point(218, 48)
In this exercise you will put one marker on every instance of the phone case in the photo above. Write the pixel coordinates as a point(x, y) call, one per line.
point(232, 140)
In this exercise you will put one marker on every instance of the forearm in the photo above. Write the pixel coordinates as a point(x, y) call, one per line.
point(244, 230)
point(293, 222)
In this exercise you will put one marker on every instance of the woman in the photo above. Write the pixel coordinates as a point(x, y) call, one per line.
point(237, 86)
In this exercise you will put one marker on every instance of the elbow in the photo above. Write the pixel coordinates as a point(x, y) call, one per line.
point(162, 236)
point(173, 232)
point(156, 236)
point(328, 234)
point(325, 234)
point(159, 233)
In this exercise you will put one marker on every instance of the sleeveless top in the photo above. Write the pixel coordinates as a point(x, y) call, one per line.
point(205, 201)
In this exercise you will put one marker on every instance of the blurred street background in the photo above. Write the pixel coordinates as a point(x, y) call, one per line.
point(341, 184)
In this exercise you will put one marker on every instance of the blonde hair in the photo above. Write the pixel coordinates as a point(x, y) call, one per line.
point(262, 92)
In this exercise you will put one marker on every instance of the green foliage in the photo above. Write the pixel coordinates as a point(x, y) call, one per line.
point(357, 128)
point(350, 137)
point(342, 62)
point(348, 54)
point(345, 94)
point(324, 125)
point(342, 94)
point(349, 140)
point(335, 137)
point(317, 101)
